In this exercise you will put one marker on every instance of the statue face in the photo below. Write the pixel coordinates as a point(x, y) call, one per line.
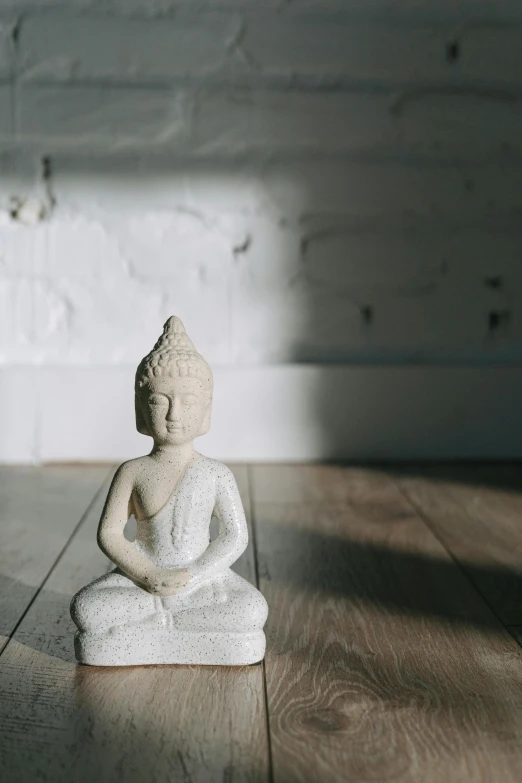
point(176, 410)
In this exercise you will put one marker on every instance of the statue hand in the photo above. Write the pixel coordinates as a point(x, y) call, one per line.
point(166, 581)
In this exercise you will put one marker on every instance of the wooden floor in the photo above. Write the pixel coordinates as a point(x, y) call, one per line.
point(395, 602)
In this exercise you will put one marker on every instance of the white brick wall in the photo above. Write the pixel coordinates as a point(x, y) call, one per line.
point(70, 48)
point(89, 116)
point(319, 181)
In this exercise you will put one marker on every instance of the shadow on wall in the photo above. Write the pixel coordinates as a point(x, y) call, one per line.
point(346, 193)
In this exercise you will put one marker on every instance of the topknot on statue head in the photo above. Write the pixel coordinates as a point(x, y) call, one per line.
point(174, 356)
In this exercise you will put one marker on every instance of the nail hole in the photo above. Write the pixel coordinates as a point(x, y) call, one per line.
point(499, 319)
point(452, 51)
point(367, 314)
point(495, 282)
point(46, 167)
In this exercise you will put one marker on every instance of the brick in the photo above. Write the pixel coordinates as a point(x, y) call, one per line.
point(16, 307)
point(82, 248)
point(26, 6)
point(389, 9)
point(19, 175)
point(21, 251)
point(243, 121)
point(104, 183)
point(19, 402)
point(6, 120)
point(102, 269)
point(319, 50)
point(270, 311)
point(483, 124)
point(408, 10)
point(102, 117)
point(330, 50)
point(139, 181)
point(64, 47)
point(423, 121)
point(105, 307)
point(396, 193)
point(33, 312)
point(98, 308)
point(6, 48)
point(490, 54)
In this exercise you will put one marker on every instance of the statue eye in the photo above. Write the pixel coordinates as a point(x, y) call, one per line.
point(190, 399)
point(157, 400)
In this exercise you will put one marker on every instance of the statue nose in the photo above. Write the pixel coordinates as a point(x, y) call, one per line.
point(174, 411)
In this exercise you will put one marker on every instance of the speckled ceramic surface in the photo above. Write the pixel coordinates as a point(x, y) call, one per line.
point(172, 597)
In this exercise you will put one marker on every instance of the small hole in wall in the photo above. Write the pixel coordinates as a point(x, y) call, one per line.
point(452, 51)
point(367, 314)
point(46, 168)
point(499, 320)
point(495, 282)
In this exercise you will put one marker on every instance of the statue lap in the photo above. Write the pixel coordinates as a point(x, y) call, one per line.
point(225, 602)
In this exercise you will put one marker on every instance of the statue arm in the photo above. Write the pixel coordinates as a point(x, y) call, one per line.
point(111, 540)
point(233, 531)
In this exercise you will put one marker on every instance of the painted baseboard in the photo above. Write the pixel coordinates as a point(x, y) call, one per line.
point(274, 413)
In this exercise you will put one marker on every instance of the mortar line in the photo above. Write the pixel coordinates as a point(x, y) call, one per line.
point(263, 663)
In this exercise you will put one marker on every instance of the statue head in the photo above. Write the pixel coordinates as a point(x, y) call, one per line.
point(173, 389)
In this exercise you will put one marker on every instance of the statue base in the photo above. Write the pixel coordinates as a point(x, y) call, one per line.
point(132, 646)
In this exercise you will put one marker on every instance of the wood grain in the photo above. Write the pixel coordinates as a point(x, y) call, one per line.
point(476, 511)
point(383, 661)
point(63, 722)
point(39, 510)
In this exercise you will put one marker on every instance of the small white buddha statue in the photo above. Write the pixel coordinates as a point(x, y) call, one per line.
point(172, 597)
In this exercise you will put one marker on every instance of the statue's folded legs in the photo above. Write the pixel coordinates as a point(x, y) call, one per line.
point(229, 604)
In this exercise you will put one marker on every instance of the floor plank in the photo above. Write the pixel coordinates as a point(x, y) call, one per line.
point(383, 661)
point(39, 510)
point(476, 512)
point(63, 722)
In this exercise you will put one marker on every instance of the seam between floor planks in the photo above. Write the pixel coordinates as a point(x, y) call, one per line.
point(249, 469)
point(475, 512)
point(45, 579)
point(27, 518)
point(434, 531)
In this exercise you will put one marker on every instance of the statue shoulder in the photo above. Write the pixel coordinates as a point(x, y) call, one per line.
point(128, 471)
point(217, 470)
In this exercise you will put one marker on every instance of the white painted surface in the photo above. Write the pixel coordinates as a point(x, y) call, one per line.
point(275, 413)
point(314, 182)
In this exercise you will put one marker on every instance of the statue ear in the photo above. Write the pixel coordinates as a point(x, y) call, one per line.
point(205, 426)
point(141, 426)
